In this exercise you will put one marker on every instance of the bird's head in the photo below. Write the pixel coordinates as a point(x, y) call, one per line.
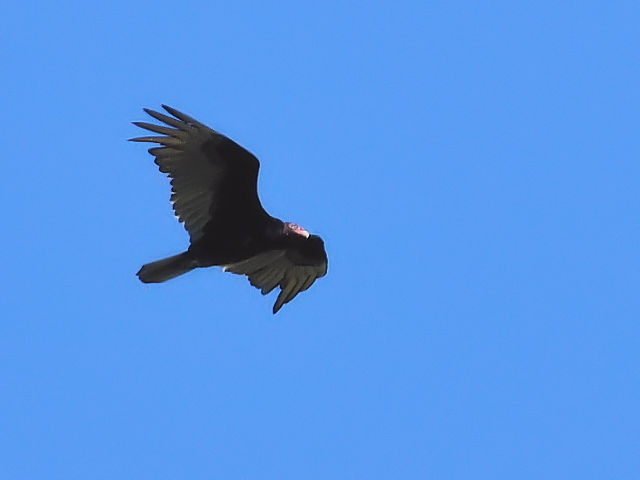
point(292, 228)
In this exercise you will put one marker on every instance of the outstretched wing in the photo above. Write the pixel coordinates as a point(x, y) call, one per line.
point(293, 269)
point(211, 175)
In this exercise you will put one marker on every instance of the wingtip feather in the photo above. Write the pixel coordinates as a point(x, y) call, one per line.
point(184, 117)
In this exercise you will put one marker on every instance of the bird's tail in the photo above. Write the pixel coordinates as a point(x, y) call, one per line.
point(166, 269)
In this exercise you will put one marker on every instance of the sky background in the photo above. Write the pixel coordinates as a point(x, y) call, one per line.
point(473, 168)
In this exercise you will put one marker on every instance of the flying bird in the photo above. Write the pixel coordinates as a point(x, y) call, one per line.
point(214, 193)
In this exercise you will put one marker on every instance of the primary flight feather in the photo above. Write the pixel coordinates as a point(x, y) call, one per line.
point(214, 193)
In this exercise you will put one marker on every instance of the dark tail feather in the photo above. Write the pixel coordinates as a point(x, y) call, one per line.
point(166, 269)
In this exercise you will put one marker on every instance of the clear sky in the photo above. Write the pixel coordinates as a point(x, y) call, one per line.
point(473, 168)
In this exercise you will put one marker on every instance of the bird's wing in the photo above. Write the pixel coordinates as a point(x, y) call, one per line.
point(210, 173)
point(293, 269)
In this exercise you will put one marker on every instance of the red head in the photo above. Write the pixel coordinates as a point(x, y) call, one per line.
point(290, 228)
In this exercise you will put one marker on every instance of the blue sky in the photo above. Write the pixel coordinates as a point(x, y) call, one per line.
point(473, 168)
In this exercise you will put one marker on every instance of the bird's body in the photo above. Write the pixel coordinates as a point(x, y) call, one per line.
point(214, 192)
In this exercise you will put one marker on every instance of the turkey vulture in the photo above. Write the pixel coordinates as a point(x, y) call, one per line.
point(214, 192)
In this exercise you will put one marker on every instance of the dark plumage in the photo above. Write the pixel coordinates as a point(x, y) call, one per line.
point(214, 193)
